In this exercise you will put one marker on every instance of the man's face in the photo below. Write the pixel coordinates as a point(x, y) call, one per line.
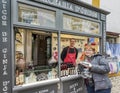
point(72, 42)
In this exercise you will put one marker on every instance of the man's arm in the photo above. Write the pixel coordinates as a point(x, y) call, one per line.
point(63, 54)
point(76, 53)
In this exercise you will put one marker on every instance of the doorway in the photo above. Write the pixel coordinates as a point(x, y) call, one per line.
point(40, 48)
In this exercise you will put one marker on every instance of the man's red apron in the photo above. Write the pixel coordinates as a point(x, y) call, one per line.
point(70, 57)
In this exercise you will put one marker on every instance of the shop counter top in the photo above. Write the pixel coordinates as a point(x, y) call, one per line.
point(36, 84)
point(70, 77)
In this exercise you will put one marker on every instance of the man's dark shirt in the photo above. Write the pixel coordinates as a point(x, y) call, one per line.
point(71, 50)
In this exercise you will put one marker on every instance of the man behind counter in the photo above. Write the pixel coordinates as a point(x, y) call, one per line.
point(69, 53)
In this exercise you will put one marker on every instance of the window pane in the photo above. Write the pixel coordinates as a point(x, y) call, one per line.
point(36, 16)
point(36, 56)
point(78, 43)
point(79, 24)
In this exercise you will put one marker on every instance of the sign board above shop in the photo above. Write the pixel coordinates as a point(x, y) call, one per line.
point(5, 48)
point(71, 6)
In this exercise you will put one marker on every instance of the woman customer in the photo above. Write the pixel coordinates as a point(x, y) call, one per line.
point(97, 81)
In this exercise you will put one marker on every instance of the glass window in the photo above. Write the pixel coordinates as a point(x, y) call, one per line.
point(36, 56)
point(79, 24)
point(36, 16)
point(74, 44)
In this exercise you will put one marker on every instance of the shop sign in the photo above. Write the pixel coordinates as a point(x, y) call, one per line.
point(44, 89)
point(5, 53)
point(71, 6)
point(74, 86)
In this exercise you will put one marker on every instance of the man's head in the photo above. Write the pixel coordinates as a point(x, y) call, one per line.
point(72, 42)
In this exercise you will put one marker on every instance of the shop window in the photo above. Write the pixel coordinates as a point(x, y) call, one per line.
point(36, 16)
point(36, 56)
point(79, 42)
point(79, 24)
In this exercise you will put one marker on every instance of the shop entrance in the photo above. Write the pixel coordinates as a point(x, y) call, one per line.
point(40, 46)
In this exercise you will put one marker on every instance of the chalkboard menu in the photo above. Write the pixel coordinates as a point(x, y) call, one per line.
point(43, 89)
point(74, 86)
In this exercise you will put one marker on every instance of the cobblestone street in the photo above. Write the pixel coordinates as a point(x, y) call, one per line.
point(116, 84)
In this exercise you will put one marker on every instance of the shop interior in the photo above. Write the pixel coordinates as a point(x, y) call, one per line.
point(33, 50)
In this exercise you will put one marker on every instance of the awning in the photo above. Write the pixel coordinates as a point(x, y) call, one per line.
point(112, 34)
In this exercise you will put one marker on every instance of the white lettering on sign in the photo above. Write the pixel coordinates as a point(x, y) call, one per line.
point(72, 7)
point(4, 50)
point(5, 61)
point(4, 37)
point(4, 1)
point(5, 86)
point(5, 70)
point(59, 3)
point(86, 11)
point(4, 33)
point(4, 13)
point(75, 88)
point(73, 85)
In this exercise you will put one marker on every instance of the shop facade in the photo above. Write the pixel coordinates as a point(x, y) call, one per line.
point(34, 31)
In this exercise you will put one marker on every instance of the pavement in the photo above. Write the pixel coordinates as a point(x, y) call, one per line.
point(115, 84)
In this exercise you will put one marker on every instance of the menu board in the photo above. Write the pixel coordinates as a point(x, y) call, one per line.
point(43, 89)
point(74, 86)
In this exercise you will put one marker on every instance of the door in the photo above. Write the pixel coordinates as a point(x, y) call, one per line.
point(40, 49)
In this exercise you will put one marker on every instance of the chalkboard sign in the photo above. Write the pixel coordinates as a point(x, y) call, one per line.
point(74, 86)
point(43, 89)
point(5, 47)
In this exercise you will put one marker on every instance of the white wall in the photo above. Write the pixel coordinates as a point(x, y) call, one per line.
point(113, 19)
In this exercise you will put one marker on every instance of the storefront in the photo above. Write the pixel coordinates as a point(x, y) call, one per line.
point(37, 31)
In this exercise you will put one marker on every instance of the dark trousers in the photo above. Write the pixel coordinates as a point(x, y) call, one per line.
point(104, 91)
point(90, 89)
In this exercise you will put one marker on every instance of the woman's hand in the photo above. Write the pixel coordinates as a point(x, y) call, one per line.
point(86, 64)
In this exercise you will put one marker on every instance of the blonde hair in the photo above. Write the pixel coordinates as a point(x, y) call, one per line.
point(87, 46)
point(90, 47)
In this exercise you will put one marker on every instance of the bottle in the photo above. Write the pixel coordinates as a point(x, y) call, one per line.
point(21, 78)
